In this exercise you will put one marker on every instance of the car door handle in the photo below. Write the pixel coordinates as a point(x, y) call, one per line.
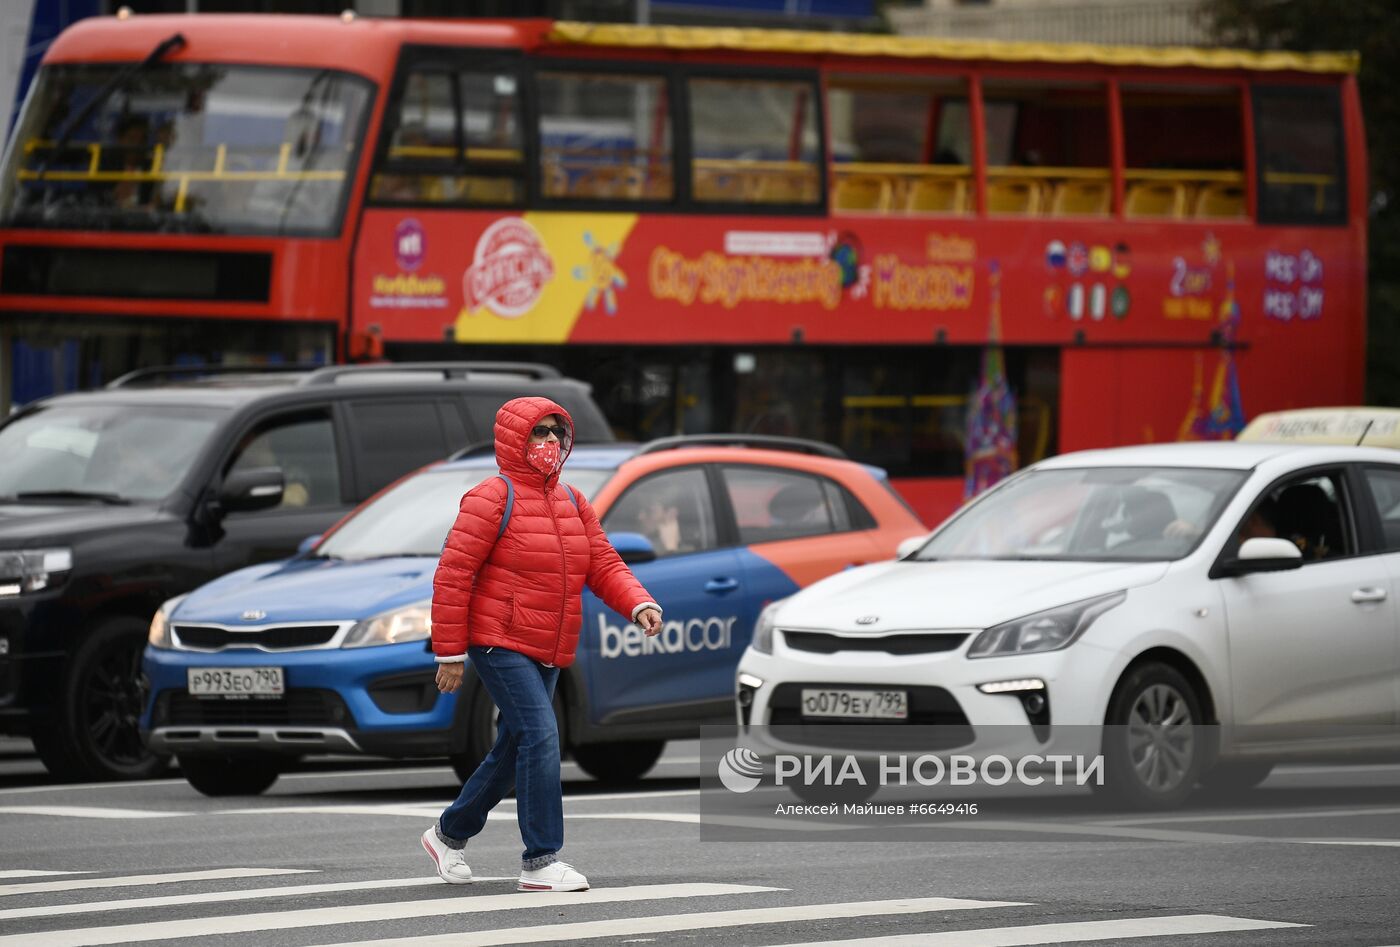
point(1362, 596)
point(721, 584)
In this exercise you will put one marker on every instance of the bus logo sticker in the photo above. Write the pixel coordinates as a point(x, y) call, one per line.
point(510, 269)
point(409, 245)
point(602, 274)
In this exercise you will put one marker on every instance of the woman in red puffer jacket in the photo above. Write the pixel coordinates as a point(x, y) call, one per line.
point(513, 605)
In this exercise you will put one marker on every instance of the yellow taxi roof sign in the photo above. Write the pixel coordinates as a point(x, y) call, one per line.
point(1368, 427)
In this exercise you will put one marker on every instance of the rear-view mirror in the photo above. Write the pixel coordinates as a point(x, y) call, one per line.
point(632, 547)
point(257, 489)
point(308, 544)
point(909, 546)
point(1265, 554)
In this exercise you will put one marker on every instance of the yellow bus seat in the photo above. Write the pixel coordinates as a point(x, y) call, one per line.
point(717, 184)
point(937, 196)
point(1083, 198)
point(785, 187)
point(1155, 199)
point(1014, 196)
point(1220, 200)
point(863, 192)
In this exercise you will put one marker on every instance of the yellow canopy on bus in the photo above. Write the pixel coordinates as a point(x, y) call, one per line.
point(931, 47)
point(1369, 427)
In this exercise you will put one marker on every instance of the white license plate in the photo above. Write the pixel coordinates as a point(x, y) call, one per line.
point(879, 705)
point(236, 682)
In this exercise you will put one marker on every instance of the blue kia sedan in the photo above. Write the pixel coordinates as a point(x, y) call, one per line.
point(327, 652)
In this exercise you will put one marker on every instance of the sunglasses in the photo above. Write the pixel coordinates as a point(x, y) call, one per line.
point(544, 430)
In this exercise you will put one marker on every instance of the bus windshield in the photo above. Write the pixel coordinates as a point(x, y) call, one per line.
point(186, 147)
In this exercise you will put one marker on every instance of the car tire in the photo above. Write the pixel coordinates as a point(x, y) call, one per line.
point(230, 775)
point(93, 730)
point(1154, 741)
point(617, 763)
point(1234, 777)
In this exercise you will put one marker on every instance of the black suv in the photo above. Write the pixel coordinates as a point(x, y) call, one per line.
point(113, 501)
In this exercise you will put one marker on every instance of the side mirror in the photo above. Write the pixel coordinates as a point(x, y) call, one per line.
point(633, 547)
point(909, 546)
point(1263, 554)
point(256, 489)
point(308, 544)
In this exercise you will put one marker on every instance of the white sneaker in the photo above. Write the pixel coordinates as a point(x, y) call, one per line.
point(559, 876)
point(451, 863)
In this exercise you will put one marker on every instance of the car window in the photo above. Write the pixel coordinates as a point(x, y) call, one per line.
point(1385, 487)
point(772, 504)
point(1091, 513)
point(1309, 511)
point(672, 509)
point(136, 453)
point(304, 447)
point(395, 436)
point(589, 423)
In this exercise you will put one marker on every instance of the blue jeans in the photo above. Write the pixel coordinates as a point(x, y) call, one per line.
point(526, 756)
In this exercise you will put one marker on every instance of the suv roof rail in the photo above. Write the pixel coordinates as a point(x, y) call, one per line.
point(160, 372)
point(800, 445)
point(330, 374)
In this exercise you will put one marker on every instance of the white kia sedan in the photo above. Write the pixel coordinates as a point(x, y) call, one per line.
point(1159, 590)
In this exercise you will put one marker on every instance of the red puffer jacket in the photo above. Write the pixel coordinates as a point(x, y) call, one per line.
point(524, 591)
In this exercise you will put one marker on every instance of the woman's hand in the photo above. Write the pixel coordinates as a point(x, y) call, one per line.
point(650, 620)
point(449, 677)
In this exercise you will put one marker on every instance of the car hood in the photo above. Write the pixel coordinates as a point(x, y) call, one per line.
point(56, 523)
point(954, 594)
point(329, 590)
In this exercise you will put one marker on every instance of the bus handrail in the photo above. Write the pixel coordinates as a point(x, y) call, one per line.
point(332, 374)
point(798, 445)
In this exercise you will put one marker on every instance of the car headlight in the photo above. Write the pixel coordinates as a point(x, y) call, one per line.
point(763, 628)
point(410, 623)
point(30, 570)
point(159, 635)
point(1050, 630)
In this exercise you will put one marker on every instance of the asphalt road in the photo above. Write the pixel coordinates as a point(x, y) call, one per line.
point(330, 855)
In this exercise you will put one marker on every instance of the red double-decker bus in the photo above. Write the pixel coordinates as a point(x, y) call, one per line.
point(833, 236)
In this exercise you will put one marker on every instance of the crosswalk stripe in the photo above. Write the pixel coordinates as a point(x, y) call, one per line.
point(363, 913)
point(248, 894)
point(92, 812)
point(1063, 933)
point(127, 881)
point(35, 873)
point(660, 924)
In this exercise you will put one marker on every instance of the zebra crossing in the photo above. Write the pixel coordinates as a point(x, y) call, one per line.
point(183, 907)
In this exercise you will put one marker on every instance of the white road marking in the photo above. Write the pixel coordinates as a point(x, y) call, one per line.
point(1072, 932)
point(621, 927)
point(127, 881)
point(35, 873)
point(91, 812)
point(1382, 842)
point(248, 894)
point(363, 913)
point(136, 784)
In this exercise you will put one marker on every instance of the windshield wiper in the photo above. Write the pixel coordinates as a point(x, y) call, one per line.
point(175, 41)
point(111, 499)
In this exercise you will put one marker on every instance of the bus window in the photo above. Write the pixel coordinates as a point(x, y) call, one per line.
point(899, 146)
point(604, 137)
point(1184, 151)
point(438, 109)
point(185, 147)
point(1299, 144)
point(1047, 148)
point(755, 141)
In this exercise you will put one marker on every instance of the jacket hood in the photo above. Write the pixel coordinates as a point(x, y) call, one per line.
point(513, 423)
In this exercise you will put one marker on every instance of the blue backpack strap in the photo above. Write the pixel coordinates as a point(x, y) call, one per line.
point(570, 491)
point(510, 505)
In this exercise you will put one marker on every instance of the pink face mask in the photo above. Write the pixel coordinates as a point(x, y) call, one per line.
point(543, 456)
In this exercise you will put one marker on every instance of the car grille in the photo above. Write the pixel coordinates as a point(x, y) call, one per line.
point(819, 642)
point(929, 707)
point(282, 638)
point(300, 707)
